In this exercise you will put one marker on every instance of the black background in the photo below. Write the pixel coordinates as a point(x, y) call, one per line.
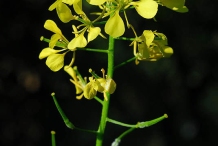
point(183, 86)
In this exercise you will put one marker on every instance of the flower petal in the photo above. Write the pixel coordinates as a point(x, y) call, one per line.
point(89, 91)
point(146, 8)
point(115, 25)
point(70, 2)
point(148, 36)
point(55, 62)
point(46, 52)
point(79, 41)
point(64, 13)
point(93, 33)
point(51, 25)
point(54, 39)
point(54, 5)
point(96, 2)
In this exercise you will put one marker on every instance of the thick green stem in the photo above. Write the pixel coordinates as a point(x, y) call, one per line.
point(105, 107)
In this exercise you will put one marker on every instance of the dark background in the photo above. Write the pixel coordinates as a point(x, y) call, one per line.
point(183, 86)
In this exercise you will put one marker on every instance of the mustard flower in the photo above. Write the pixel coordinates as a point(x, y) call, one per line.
point(79, 85)
point(149, 48)
point(54, 60)
point(80, 41)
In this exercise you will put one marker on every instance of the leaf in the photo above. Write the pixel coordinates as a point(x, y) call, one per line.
point(115, 25)
point(55, 62)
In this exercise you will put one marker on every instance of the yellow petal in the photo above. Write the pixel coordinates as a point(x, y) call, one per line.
point(93, 33)
point(79, 41)
point(115, 26)
point(173, 3)
point(64, 13)
point(51, 25)
point(96, 2)
point(70, 2)
point(110, 86)
point(55, 62)
point(149, 37)
point(146, 8)
point(46, 52)
point(89, 91)
point(54, 5)
point(72, 73)
point(54, 39)
point(78, 8)
point(168, 51)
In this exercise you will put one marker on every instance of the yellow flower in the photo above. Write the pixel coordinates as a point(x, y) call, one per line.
point(54, 60)
point(151, 49)
point(79, 85)
point(58, 36)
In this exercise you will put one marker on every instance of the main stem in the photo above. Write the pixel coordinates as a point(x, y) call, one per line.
point(105, 107)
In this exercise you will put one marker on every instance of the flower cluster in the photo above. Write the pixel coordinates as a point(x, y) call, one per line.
point(151, 46)
point(95, 84)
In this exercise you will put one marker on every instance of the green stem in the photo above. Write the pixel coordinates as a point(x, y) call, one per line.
point(66, 120)
point(125, 62)
point(92, 50)
point(53, 142)
point(121, 124)
point(104, 113)
point(125, 38)
point(101, 22)
point(126, 132)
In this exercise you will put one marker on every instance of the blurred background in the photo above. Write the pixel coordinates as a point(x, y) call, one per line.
point(184, 86)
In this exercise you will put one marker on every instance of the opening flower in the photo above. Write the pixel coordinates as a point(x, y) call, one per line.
point(151, 46)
